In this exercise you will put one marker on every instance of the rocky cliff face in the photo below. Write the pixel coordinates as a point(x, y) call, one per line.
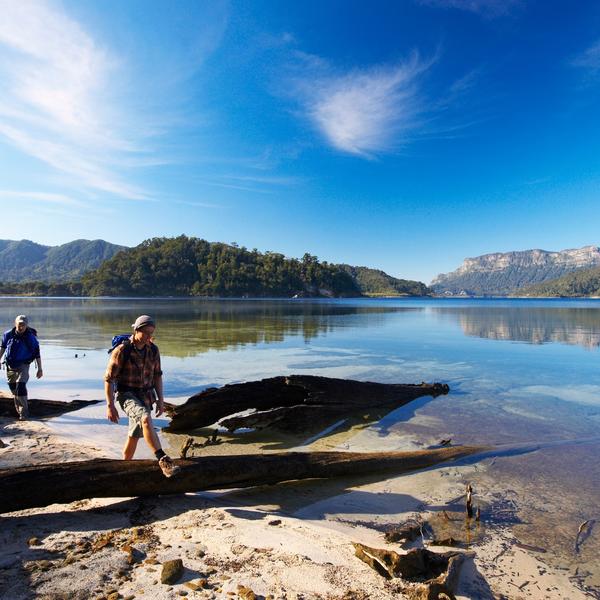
point(502, 273)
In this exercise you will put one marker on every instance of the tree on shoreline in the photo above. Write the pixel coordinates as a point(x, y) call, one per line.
point(187, 266)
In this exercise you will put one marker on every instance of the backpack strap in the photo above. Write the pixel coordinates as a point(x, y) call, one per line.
point(28, 344)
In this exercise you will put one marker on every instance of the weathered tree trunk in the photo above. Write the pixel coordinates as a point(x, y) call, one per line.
point(29, 487)
point(294, 403)
point(41, 408)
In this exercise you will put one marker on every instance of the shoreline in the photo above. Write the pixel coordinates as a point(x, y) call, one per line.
point(289, 541)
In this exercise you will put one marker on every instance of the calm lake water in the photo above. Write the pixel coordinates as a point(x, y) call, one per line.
point(523, 375)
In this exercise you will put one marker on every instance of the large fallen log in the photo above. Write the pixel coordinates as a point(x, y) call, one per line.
point(29, 487)
point(297, 403)
point(41, 408)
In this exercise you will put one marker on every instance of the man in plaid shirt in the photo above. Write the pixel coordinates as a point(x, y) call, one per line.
point(134, 370)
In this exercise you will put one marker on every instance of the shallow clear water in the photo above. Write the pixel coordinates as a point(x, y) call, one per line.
point(521, 372)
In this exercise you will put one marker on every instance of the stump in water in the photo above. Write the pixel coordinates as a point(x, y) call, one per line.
point(41, 408)
point(298, 403)
point(29, 487)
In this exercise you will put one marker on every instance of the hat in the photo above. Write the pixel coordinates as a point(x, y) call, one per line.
point(22, 319)
point(142, 321)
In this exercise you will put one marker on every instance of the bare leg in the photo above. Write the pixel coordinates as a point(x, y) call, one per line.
point(150, 435)
point(129, 448)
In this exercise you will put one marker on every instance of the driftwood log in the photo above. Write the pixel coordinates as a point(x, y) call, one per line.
point(29, 487)
point(298, 403)
point(434, 575)
point(41, 408)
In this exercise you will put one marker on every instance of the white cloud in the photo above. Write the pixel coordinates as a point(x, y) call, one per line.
point(54, 104)
point(589, 58)
point(365, 112)
point(73, 103)
point(487, 8)
point(41, 197)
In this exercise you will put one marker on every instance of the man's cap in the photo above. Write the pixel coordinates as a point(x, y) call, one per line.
point(142, 321)
point(22, 319)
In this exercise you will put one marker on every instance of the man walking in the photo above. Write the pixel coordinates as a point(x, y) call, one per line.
point(134, 369)
point(20, 347)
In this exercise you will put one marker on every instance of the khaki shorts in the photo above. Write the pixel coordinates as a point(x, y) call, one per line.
point(135, 409)
point(18, 375)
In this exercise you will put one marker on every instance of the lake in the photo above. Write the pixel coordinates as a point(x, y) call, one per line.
point(524, 376)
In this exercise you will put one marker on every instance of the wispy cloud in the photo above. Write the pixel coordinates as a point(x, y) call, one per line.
point(589, 59)
point(53, 102)
point(40, 197)
point(261, 184)
point(364, 112)
point(70, 101)
point(485, 8)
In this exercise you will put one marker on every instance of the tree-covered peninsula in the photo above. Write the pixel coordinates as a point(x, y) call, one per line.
point(187, 266)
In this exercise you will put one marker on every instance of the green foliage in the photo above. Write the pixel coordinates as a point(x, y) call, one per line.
point(583, 282)
point(374, 282)
point(185, 266)
point(27, 261)
point(42, 288)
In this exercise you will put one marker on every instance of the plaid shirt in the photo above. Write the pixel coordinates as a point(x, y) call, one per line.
point(140, 371)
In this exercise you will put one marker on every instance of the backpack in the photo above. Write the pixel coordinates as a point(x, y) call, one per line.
point(125, 339)
point(9, 356)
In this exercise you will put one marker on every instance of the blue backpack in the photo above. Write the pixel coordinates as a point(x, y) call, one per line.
point(13, 347)
point(125, 339)
point(118, 340)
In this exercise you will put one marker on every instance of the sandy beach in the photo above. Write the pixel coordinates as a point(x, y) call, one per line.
point(289, 541)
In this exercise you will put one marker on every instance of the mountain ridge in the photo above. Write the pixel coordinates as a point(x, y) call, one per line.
point(187, 266)
point(24, 260)
point(502, 273)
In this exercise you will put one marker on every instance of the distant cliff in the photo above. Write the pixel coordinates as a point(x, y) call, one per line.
point(501, 274)
point(27, 261)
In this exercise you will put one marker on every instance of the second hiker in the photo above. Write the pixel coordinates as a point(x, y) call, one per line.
point(21, 347)
point(134, 369)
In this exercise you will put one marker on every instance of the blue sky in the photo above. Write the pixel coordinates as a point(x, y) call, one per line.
point(404, 135)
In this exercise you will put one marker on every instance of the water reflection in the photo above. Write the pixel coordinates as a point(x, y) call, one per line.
point(536, 325)
point(189, 327)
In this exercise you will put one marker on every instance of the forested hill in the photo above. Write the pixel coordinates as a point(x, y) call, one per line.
point(583, 283)
point(374, 282)
point(186, 266)
point(24, 260)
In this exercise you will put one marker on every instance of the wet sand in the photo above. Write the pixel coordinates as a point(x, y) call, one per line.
point(288, 541)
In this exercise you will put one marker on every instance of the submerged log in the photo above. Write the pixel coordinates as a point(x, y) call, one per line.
point(29, 487)
point(295, 403)
point(41, 408)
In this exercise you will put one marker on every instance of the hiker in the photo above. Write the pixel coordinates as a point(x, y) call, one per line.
point(134, 369)
point(20, 347)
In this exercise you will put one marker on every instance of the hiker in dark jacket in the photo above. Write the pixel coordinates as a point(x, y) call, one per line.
point(134, 369)
point(20, 348)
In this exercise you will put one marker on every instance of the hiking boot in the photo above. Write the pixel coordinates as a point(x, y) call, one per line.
point(167, 466)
